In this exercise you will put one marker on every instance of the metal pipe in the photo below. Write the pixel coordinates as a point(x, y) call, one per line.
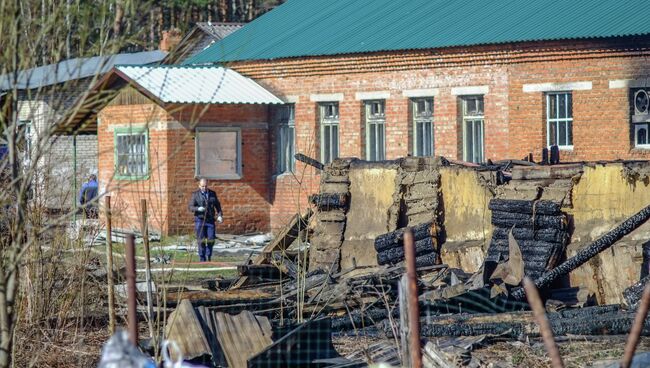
point(637, 328)
point(147, 257)
point(130, 288)
point(74, 177)
point(413, 307)
point(109, 267)
point(544, 327)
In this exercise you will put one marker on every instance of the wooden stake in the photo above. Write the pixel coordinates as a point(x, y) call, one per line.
point(130, 289)
point(145, 238)
point(412, 297)
point(109, 267)
point(544, 327)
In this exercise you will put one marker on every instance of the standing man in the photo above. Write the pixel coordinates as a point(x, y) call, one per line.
point(87, 196)
point(205, 206)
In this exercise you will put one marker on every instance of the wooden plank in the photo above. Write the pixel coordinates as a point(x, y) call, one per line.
point(184, 328)
point(281, 242)
point(242, 336)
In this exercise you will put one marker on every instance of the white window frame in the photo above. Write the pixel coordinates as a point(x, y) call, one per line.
point(197, 158)
point(286, 160)
point(375, 122)
point(424, 118)
point(640, 120)
point(476, 119)
point(329, 120)
point(127, 132)
point(557, 120)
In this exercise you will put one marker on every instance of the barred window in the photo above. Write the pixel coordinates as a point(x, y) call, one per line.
point(131, 154)
point(375, 130)
point(422, 126)
point(329, 131)
point(559, 119)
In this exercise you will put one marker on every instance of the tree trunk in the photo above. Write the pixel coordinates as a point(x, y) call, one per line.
point(119, 16)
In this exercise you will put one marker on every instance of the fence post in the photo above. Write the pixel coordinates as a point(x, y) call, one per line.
point(109, 267)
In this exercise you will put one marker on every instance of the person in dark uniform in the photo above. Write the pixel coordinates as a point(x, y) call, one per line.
point(206, 208)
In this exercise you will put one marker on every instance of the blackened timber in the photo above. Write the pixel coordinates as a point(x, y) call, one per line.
point(524, 206)
point(395, 255)
point(509, 219)
point(527, 246)
point(262, 271)
point(395, 238)
point(327, 201)
point(633, 294)
point(309, 161)
point(592, 250)
point(523, 233)
point(425, 260)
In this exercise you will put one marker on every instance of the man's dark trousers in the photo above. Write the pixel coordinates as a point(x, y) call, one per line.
point(204, 234)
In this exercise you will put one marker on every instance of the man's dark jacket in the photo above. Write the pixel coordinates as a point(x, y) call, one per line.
point(209, 201)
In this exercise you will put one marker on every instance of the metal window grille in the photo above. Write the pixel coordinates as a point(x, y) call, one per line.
point(375, 130)
point(423, 144)
point(473, 128)
point(132, 160)
point(329, 131)
point(286, 139)
point(559, 119)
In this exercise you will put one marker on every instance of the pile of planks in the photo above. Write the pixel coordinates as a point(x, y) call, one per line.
point(390, 246)
point(539, 227)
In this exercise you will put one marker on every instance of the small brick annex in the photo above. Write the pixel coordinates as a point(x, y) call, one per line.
point(512, 78)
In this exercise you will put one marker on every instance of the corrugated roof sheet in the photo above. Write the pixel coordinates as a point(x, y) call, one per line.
point(326, 27)
point(174, 84)
point(219, 30)
point(78, 68)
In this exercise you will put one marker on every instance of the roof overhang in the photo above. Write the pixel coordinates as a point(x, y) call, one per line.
point(165, 86)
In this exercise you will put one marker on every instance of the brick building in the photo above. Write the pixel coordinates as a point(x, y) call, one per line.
point(471, 80)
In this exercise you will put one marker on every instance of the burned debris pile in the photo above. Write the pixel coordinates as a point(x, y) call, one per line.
point(340, 269)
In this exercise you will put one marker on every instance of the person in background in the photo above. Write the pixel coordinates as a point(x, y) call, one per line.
point(87, 196)
point(205, 206)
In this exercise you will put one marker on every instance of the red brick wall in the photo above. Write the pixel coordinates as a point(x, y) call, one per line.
point(514, 121)
point(245, 202)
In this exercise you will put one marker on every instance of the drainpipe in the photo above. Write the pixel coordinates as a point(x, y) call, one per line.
point(74, 177)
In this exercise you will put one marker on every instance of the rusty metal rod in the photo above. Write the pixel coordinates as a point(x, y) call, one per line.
point(109, 267)
point(413, 307)
point(130, 289)
point(544, 327)
point(147, 258)
point(637, 328)
point(587, 253)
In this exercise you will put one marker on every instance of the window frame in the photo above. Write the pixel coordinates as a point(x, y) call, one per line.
point(638, 121)
point(197, 158)
point(426, 118)
point(557, 120)
point(287, 122)
point(376, 119)
point(131, 131)
point(466, 118)
point(329, 121)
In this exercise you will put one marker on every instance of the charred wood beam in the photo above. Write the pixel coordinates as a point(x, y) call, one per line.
point(426, 260)
point(592, 250)
point(531, 247)
point(359, 319)
point(396, 255)
point(396, 238)
point(509, 219)
point(327, 201)
point(633, 294)
point(262, 271)
point(523, 233)
point(525, 207)
point(309, 161)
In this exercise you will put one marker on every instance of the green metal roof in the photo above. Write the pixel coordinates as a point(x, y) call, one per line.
point(330, 27)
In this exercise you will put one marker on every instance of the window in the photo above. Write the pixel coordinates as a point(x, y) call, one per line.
point(559, 120)
point(329, 131)
point(286, 138)
point(473, 120)
point(422, 126)
point(375, 130)
point(640, 117)
point(131, 153)
point(218, 153)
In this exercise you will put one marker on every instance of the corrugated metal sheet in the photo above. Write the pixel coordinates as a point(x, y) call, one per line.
point(203, 85)
point(76, 69)
point(219, 30)
point(326, 27)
